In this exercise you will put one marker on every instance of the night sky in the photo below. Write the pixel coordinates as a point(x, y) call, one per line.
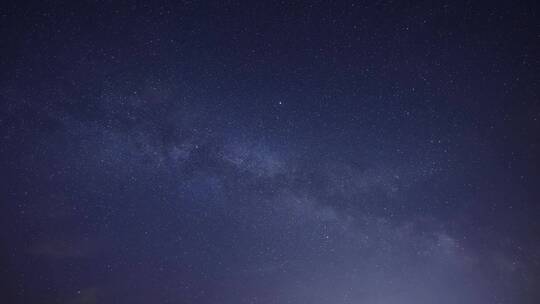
point(317, 152)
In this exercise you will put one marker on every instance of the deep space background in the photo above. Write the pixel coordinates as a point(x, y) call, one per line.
point(377, 152)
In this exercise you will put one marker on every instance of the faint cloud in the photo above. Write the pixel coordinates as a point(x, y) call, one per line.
point(256, 159)
point(89, 295)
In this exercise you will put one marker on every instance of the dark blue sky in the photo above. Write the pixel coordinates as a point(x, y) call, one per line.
point(270, 152)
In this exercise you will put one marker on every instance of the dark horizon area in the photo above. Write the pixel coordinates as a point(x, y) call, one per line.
point(260, 152)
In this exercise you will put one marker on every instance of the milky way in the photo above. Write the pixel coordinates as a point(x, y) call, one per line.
point(269, 153)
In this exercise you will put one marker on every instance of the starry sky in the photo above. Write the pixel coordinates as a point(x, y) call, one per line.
point(378, 152)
